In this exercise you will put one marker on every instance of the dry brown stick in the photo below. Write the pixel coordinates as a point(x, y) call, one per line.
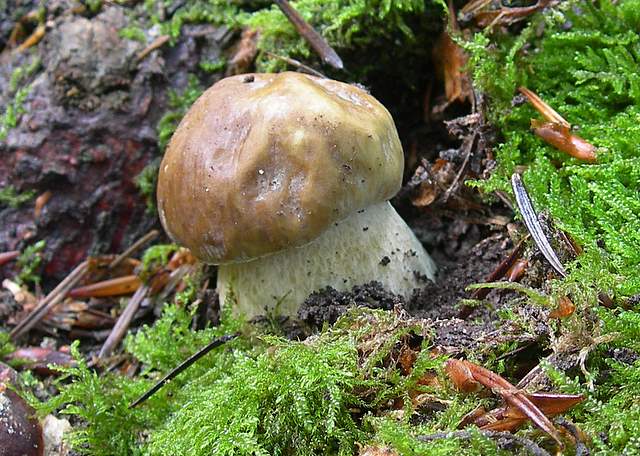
point(33, 39)
point(155, 44)
point(317, 42)
point(133, 247)
point(50, 301)
point(5, 257)
point(122, 325)
point(297, 64)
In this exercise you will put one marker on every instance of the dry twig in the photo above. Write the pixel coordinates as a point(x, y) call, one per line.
point(315, 40)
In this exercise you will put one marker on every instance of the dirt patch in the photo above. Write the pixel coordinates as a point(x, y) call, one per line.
point(328, 304)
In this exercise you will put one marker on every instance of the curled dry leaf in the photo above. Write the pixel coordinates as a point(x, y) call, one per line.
point(434, 180)
point(5, 257)
point(41, 202)
point(517, 270)
point(557, 131)
point(461, 375)
point(564, 309)
point(38, 359)
point(465, 373)
point(509, 418)
point(450, 61)
point(243, 53)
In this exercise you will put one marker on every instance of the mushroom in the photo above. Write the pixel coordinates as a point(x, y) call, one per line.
point(283, 180)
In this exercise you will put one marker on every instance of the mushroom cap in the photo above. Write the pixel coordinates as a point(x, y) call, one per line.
point(264, 162)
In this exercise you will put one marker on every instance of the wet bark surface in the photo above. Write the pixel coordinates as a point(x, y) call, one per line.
point(89, 128)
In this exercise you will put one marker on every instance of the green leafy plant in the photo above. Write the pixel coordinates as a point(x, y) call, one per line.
point(9, 197)
point(29, 263)
point(12, 111)
point(178, 104)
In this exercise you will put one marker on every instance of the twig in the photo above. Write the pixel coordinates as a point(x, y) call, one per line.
point(50, 301)
point(5, 257)
point(155, 44)
point(317, 42)
point(533, 224)
point(297, 64)
point(133, 247)
point(463, 167)
point(504, 440)
point(122, 325)
point(33, 39)
point(182, 366)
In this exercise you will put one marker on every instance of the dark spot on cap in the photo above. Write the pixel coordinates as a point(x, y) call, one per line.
point(365, 228)
point(385, 260)
point(249, 78)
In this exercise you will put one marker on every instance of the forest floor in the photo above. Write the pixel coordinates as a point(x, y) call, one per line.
point(526, 342)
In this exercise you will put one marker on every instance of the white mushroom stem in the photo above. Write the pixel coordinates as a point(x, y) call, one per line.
point(373, 244)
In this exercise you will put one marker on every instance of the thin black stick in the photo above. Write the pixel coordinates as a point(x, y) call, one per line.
point(317, 42)
point(182, 366)
point(533, 224)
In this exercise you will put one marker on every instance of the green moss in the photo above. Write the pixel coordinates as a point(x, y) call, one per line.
point(29, 263)
point(179, 103)
point(9, 197)
point(157, 256)
point(344, 24)
point(252, 396)
point(213, 67)
point(15, 108)
point(589, 74)
point(146, 182)
point(134, 33)
point(6, 346)
point(107, 427)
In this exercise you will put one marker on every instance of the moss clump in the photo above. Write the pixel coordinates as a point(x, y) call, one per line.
point(6, 346)
point(13, 109)
point(266, 395)
point(585, 65)
point(100, 402)
point(9, 197)
point(179, 103)
point(157, 256)
point(147, 182)
point(29, 263)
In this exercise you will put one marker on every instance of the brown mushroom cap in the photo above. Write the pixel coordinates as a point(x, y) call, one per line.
point(264, 162)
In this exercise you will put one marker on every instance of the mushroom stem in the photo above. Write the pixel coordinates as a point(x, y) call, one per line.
point(372, 244)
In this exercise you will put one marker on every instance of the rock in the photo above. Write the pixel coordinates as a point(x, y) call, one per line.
point(54, 431)
point(20, 432)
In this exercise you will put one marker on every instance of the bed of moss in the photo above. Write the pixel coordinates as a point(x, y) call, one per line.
point(262, 394)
